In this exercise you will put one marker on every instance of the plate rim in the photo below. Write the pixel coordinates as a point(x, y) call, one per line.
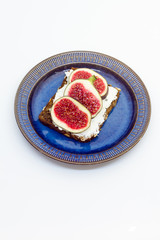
point(36, 82)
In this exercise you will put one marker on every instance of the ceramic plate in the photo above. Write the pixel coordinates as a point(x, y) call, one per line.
point(124, 127)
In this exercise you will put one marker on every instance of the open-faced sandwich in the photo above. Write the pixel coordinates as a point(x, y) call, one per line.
point(81, 105)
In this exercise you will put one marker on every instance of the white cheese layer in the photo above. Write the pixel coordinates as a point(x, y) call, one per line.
point(98, 120)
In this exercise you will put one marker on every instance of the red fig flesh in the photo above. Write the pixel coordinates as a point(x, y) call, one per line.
point(84, 92)
point(84, 73)
point(80, 74)
point(70, 115)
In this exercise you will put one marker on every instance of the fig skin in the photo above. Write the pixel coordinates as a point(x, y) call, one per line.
point(88, 86)
point(91, 73)
point(64, 125)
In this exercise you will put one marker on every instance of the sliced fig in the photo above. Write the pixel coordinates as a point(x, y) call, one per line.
point(84, 92)
point(80, 73)
point(70, 115)
point(100, 82)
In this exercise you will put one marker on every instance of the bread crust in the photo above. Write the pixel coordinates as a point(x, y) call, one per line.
point(45, 117)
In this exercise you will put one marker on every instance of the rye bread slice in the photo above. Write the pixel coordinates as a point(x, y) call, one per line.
point(45, 117)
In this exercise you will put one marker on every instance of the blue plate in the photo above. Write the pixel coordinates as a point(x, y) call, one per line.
point(124, 127)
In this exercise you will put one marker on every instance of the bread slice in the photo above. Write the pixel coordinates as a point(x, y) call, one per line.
point(96, 123)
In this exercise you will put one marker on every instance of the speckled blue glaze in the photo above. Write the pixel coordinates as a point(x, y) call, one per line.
point(124, 127)
point(117, 126)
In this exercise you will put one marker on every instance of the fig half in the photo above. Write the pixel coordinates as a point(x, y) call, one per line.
point(70, 115)
point(100, 82)
point(84, 92)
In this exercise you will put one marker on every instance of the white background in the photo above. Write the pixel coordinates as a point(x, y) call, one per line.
point(44, 199)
